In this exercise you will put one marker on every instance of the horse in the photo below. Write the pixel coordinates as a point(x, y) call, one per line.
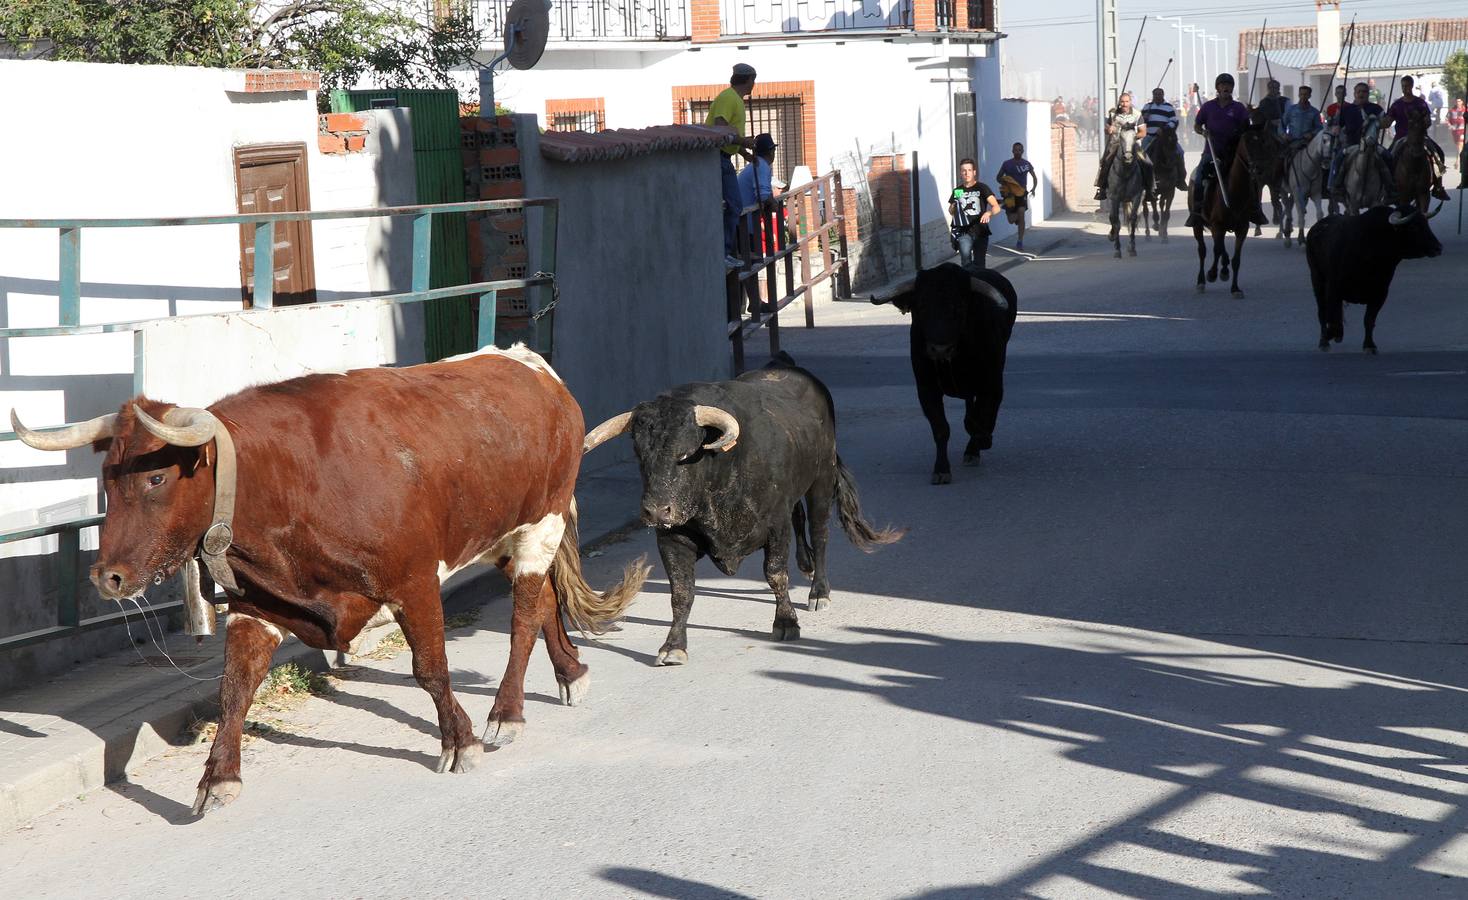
point(1363, 172)
point(1125, 185)
point(1168, 174)
point(1229, 209)
point(1305, 174)
point(1412, 167)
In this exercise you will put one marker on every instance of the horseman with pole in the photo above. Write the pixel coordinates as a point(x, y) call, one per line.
point(1400, 114)
point(1124, 118)
point(1221, 121)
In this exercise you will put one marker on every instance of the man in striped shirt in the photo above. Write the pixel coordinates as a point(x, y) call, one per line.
point(1158, 114)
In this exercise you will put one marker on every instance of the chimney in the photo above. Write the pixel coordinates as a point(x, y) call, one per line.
point(1328, 29)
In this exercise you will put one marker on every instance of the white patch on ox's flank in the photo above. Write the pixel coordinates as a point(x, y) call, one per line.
point(518, 352)
point(275, 630)
point(531, 548)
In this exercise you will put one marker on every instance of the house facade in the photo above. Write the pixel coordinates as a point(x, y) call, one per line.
point(855, 86)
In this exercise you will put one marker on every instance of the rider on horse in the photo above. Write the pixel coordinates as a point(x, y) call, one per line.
point(1351, 125)
point(1125, 118)
point(1272, 107)
point(1222, 120)
point(1301, 124)
point(1400, 115)
point(1157, 115)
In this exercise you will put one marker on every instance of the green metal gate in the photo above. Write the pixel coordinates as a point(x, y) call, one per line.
point(440, 178)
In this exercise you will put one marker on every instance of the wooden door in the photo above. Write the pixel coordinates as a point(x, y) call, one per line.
point(272, 178)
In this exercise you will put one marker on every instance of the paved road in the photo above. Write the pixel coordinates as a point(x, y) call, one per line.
point(1195, 628)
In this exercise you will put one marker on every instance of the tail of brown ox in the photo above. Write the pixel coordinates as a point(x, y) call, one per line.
point(589, 611)
point(848, 507)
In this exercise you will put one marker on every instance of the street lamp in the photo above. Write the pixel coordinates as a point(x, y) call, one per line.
point(1192, 31)
point(1220, 45)
point(1203, 56)
point(1177, 22)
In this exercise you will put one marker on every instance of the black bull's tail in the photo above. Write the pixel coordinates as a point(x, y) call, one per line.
point(848, 507)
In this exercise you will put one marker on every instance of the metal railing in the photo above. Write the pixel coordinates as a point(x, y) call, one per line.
point(782, 17)
point(969, 15)
point(539, 287)
point(803, 226)
point(595, 20)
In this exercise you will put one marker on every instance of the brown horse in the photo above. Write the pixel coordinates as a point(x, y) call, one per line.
point(1230, 209)
point(1412, 167)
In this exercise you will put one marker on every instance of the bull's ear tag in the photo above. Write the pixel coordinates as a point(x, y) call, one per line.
point(203, 458)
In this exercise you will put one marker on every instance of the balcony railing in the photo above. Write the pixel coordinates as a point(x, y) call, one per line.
point(788, 16)
point(595, 20)
point(966, 15)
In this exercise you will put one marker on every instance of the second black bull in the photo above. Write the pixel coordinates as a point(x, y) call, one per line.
point(732, 467)
point(961, 322)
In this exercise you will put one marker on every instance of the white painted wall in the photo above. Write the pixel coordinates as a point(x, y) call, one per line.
point(163, 147)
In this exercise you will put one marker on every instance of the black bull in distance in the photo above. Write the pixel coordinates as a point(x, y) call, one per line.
point(961, 322)
point(731, 467)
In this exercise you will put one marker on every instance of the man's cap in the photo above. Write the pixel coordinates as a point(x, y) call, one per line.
point(763, 143)
point(743, 69)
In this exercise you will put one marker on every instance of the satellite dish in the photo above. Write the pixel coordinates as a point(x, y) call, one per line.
point(527, 25)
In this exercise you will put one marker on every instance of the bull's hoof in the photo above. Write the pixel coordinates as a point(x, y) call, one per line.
point(1324, 346)
point(1287, 243)
point(217, 796)
point(1131, 251)
point(500, 733)
point(460, 760)
point(815, 604)
point(971, 459)
point(1371, 349)
point(1237, 293)
point(785, 631)
point(573, 692)
point(1118, 253)
point(1201, 289)
point(673, 657)
point(942, 477)
point(1164, 238)
point(1212, 276)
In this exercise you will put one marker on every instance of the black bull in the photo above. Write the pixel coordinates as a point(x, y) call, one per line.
point(732, 467)
point(1353, 258)
point(961, 322)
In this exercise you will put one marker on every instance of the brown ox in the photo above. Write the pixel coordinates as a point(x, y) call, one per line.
point(356, 494)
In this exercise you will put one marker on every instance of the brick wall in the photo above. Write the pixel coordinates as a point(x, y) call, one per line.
point(497, 249)
point(891, 186)
point(1063, 149)
point(925, 15)
point(267, 81)
point(342, 133)
point(704, 23)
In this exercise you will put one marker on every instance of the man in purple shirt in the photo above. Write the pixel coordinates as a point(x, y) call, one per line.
point(1400, 115)
point(1221, 121)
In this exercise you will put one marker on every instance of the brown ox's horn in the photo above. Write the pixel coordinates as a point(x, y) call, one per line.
point(181, 426)
point(713, 417)
point(78, 435)
point(613, 427)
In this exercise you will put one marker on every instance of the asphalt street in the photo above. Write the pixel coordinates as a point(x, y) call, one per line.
point(1194, 628)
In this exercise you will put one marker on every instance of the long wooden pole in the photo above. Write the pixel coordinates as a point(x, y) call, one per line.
point(1257, 54)
point(1350, 33)
point(1392, 88)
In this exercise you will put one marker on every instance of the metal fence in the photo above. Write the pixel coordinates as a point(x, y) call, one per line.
point(805, 231)
point(540, 287)
point(595, 20)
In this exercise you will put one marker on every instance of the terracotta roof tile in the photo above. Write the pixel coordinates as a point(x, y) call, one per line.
point(620, 143)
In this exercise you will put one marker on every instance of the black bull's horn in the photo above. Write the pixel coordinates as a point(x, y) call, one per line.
point(78, 435)
point(710, 416)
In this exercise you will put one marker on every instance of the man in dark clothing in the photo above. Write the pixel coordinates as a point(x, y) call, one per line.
point(972, 204)
point(1221, 121)
point(1351, 123)
point(1272, 107)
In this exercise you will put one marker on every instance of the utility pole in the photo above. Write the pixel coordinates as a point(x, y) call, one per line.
point(1108, 62)
point(1177, 22)
point(1203, 54)
point(1220, 45)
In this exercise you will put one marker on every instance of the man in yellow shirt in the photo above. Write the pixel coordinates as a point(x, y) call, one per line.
point(727, 111)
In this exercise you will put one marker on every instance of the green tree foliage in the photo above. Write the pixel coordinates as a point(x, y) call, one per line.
point(1455, 75)
point(345, 40)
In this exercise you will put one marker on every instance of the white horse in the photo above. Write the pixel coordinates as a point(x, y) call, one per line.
point(1306, 180)
point(1363, 171)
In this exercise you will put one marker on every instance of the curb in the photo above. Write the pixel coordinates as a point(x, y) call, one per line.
point(94, 758)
